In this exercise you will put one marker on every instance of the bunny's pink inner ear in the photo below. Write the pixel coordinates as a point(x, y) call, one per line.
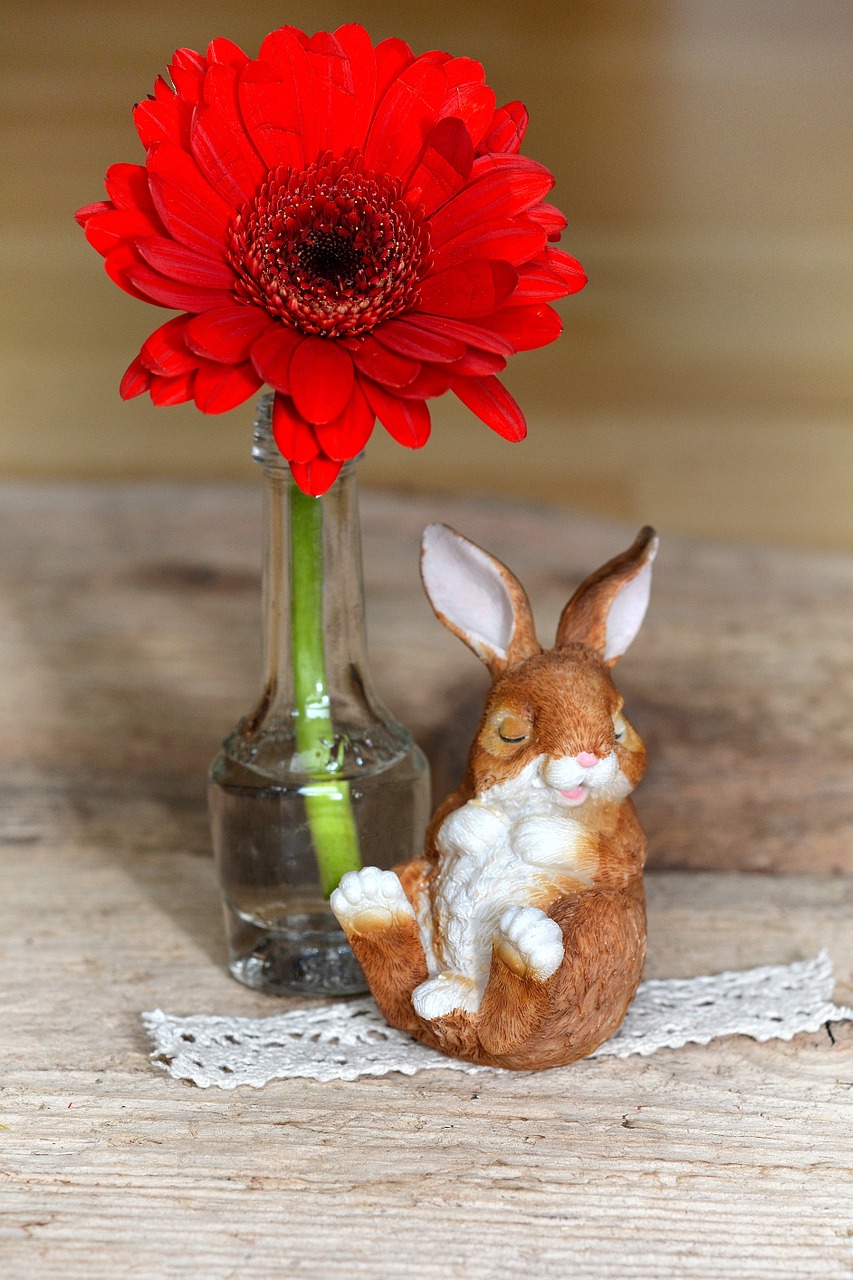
point(626, 613)
point(477, 598)
point(608, 609)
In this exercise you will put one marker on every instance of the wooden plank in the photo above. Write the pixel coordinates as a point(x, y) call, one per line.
point(128, 644)
point(726, 1161)
point(130, 619)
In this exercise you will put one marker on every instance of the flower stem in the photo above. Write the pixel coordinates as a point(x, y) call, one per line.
point(327, 799)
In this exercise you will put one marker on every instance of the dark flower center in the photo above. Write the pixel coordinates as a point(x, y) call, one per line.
point(330, 249)
point(329, 255)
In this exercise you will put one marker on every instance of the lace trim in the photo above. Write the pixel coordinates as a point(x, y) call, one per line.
point(349, 1039)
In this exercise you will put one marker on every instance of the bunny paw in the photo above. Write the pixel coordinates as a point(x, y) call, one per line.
point(370, 899)
point(530, 943)
point(445, 994)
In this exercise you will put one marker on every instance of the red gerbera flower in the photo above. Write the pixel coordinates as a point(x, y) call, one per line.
point(352, 225)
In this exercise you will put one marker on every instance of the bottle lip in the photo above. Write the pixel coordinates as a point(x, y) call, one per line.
point(265, 451)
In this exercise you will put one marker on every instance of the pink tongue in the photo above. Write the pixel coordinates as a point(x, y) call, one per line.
point(576, 793)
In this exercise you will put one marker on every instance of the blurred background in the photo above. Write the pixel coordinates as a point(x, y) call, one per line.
point(702, 154)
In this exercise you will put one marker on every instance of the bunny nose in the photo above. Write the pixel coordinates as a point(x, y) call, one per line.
point(586, 760)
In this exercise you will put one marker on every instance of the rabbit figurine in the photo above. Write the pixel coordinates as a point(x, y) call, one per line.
point(518, 938)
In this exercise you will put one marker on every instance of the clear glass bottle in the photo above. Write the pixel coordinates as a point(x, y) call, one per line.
point(318, 773)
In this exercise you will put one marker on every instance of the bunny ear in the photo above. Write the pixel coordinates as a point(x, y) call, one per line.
point(607, 610)
point(477, 598)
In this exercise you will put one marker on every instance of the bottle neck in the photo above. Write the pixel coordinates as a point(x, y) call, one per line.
point(314, 643)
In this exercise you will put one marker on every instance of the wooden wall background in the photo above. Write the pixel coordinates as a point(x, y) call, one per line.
point(702, 150)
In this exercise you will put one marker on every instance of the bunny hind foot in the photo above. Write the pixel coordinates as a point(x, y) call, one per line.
point(529, 943)
point(443, 995)
point(369, 900)
point(528, 950)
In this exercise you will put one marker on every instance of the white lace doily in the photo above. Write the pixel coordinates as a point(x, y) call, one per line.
point(348, 1039)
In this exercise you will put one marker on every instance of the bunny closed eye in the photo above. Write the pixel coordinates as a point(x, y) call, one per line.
point(507, 733)
point(513, 729)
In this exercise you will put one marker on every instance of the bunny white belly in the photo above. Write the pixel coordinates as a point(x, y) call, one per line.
point(494, 856)
point(471, 892)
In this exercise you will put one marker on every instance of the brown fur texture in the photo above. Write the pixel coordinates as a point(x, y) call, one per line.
point(557, 704)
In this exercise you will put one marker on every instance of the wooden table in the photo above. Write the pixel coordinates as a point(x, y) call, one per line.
point(129, 643)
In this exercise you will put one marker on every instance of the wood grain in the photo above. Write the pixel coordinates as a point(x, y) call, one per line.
point(128, 643)
point(730, 1161)
point(130, 617)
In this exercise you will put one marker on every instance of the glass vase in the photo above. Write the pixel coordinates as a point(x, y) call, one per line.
point(318, 778)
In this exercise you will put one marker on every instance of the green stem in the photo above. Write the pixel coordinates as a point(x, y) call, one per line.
point(327, 799)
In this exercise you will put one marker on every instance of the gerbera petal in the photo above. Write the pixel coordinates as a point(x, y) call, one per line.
point(118, 264)
point(407, 421)
point(476, 288)
point(514, 242)
point(506, 132)
point(165, 353)
point(567, 268)
point(316, 477)
point(165, 391)
point(391, 57)
point(187, 73)
point(220, 387)
point(321, 378)
point(463, 71)
point(445, 165)
point(404, 120)
point(472, 335)
point(476, 364)
point(127, 187)
point(382, 364)
point(429, 383)
point(82, 216)
point(163, 121)
point(536, 283)
point(335, 92)
point(346, 435)
point(507, 187)
point(527, 328)
point(227, 334)
point(223, 52)
point(272, 354)
point(437, 56)
point(549, 217)
point(293, 435)
point(183, 264)
point(474, 104)
point(498, 162)
point(163, 91)
point(404, 337)
point(285, 52)
point(489, 399)
point(136, 380)
point(358, 47)
point(272, 114)
point(185, 200)
point(105, 230)
point(226, 158)
point(278, 47)
point(172, 293)
point(221, 90)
